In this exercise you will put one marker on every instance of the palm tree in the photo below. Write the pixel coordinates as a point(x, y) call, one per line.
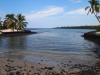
point(1, 25)
point(94, 8)
point(21, 22)
point(10, 21)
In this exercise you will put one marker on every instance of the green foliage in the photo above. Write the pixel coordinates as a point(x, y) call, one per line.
point(94, 8)
point(98, 28)
point(13, 21)
point(21, 23)
point(1, 25)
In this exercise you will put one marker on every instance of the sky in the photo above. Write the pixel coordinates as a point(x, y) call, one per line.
point(49, 13)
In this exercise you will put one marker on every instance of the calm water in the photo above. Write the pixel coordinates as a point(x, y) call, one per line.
point(51, 40)
point(68, 40)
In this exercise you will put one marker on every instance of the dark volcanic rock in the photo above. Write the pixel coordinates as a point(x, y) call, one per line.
point(91, 35)
point(9, 34)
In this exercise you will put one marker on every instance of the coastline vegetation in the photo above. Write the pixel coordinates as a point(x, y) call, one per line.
point(78, 27)
point(94, 9)
point(13, 22)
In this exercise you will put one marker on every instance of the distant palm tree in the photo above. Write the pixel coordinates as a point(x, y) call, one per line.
point(1, 24)
point(94, 8)
point(21, 22)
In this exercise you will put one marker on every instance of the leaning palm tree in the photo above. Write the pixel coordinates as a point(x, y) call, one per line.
point(94, 8)
point(21, 22)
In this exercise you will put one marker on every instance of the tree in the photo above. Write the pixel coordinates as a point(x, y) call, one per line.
point(21, 22)
point(1, 25)
point(10, 21)
point(94, 8)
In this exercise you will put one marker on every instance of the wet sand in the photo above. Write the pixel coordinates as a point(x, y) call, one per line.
point(14, 66)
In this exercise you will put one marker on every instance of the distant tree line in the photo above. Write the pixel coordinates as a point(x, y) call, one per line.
point(93, 8)
point(78, 27)
point(12, 21)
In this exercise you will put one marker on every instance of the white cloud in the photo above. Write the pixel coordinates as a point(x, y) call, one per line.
point(50, 11)
point(78, 1)
point(80, 11)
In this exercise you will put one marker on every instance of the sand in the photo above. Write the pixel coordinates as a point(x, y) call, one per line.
point(9, 30)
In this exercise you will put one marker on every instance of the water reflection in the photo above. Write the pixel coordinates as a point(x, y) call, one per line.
point(16, 42)
point(10, 45)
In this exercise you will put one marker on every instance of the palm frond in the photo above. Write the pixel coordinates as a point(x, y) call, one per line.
point(87, 7)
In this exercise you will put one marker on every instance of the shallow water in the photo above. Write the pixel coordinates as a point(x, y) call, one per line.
point(55, 44)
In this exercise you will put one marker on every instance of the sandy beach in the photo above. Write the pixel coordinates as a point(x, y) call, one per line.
point(12, 66)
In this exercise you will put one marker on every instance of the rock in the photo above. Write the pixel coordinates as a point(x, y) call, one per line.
point(49, 68)
point(92, 35)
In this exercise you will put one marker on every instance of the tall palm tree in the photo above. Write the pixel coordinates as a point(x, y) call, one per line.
point(21, 22)
point(94, 8)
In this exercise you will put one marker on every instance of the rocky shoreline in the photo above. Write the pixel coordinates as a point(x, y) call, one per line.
point(17, 67)
point(7, 34)
point(92, 35)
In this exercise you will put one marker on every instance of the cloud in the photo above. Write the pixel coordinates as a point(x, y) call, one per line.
point(80, 11)
point(78, 1)
point(50, 11)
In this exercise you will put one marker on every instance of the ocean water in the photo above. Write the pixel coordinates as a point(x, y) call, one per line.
point(67, 40)
point(55, 41)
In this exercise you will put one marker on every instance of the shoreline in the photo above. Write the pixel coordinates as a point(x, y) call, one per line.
point(19, 33)
point(92, 35)
point(12, 66)
point(18, 67)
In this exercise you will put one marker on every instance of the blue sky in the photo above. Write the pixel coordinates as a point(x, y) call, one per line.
point(49, 13)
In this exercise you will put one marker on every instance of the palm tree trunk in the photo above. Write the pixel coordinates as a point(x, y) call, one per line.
point(97, 17)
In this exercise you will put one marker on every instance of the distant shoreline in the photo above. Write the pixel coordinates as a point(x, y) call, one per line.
point(77, 27)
